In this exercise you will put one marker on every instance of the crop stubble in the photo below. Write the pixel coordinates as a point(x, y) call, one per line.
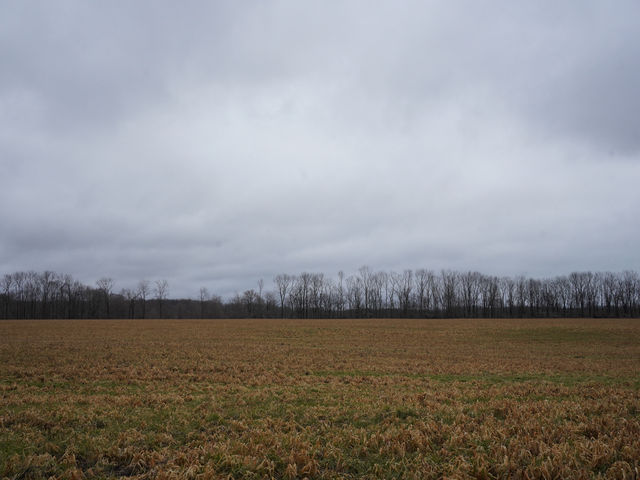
point(320, 399)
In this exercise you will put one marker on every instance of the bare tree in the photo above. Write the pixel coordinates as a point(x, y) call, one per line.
point(521, 294)
point(283, 282)
point(365, 279)
point(302, 287)
point(470, 290)
point(340, 294)
point(609, 290)
point(260, 287)
point(260, 299)
point(490, 296)
point(507, 294)
point(249, 299)
point(449, 291)
point(105, 285)
point(66, 285)
point(421, 282)
point(354, 295)
point(629, 289)
point(388, 291)
point(142, 293)
point(435, 291)
point(376, 290)
point(316, 290)
point(6, 284)
point(130, 296)
point(204, 296)
point(162, 291)
point(269, 304)
point(402, 285)
point(562, 288)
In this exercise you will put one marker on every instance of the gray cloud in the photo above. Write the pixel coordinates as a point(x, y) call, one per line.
point(218, 143)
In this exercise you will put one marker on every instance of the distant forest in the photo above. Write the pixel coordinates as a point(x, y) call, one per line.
point(417, 294)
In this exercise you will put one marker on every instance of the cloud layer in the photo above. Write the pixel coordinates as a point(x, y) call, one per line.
point(216, 143)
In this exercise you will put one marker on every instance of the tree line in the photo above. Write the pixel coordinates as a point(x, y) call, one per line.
point(418, 293)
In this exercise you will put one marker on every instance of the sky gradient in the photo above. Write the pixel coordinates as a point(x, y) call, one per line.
point(217, 143)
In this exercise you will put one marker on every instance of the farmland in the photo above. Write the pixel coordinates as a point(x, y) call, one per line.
point(320, 398)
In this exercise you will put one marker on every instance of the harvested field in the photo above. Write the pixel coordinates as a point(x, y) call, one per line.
point(320, 399)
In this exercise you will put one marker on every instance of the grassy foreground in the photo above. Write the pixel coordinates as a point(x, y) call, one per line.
point(320, 399)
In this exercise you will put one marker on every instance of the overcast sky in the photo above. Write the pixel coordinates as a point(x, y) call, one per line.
point(216, 143)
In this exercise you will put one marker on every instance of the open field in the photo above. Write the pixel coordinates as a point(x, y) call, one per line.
point(320, 399)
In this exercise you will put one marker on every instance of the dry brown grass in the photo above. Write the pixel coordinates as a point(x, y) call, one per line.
point(320, 399)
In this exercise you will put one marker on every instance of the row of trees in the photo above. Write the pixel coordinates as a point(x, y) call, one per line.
point(424, 293)
point(419, 293)
point(53, 295)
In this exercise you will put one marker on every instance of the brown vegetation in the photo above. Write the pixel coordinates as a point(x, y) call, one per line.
point(320, 399)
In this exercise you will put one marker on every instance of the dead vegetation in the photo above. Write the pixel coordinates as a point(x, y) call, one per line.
point(320, 399)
